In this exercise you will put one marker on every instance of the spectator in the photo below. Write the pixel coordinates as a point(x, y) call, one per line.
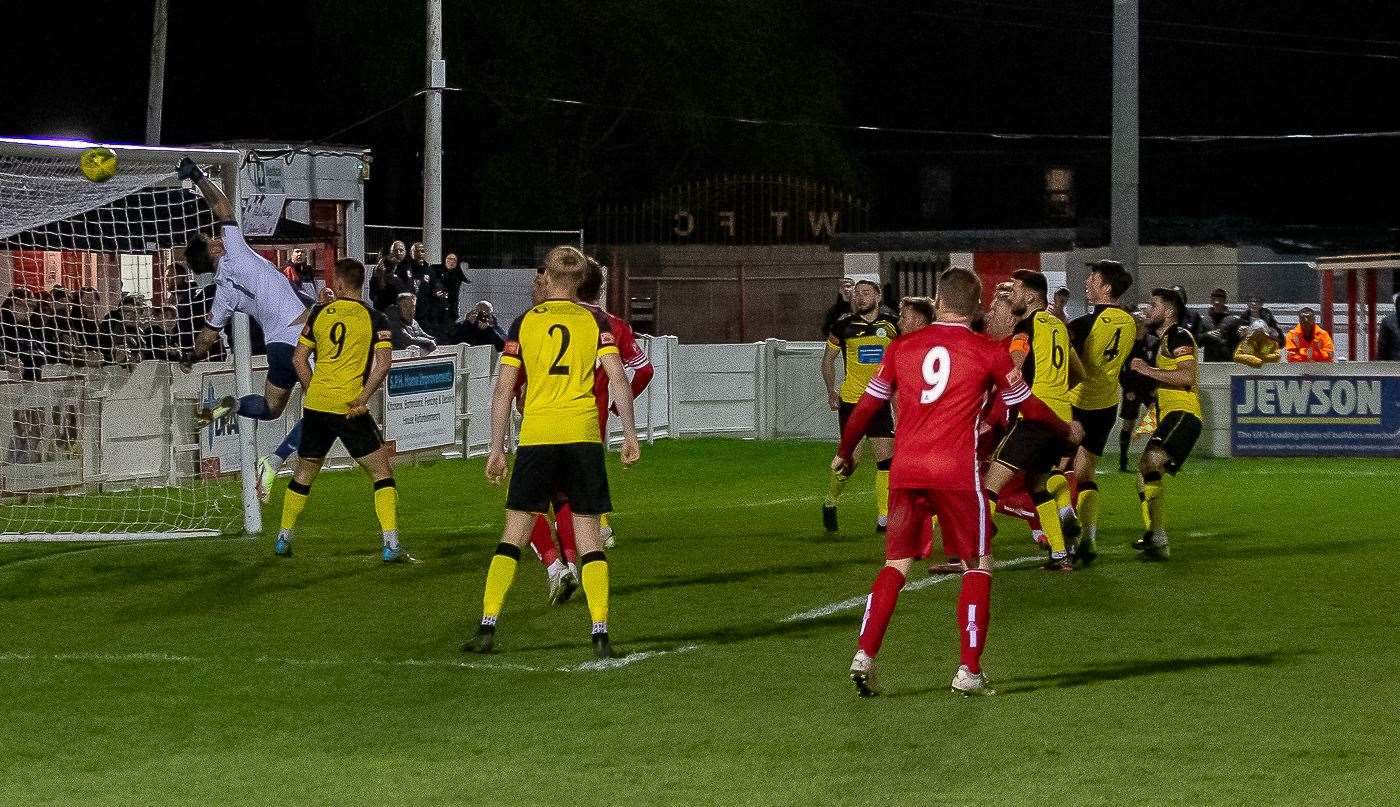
point(406, 330)
point(1219, 343)
point(480, 327)
point(384, 285)
point(1256, 310)
point(454, 274)
point(302, 275)
point(1057, 306)
point(156, 329)
point(87, 328)
point(121, 330)
point(1218, 311)
point(1256, 347)
point(1307, 342)
point(425, 280)
point(1388, 341)
point(841, 306)
point(21, 341)
point(1190, 320)
point(191, 308)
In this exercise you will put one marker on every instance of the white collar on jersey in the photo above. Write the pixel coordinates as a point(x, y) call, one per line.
point(953, 324)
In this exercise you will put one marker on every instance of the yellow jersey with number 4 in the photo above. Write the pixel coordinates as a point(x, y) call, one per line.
point(344, 335)
point(1103, 338)
point(557, 345)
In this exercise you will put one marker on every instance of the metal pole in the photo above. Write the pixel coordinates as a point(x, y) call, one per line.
point(432, 136)
point(1123, 209)
point(155, 98)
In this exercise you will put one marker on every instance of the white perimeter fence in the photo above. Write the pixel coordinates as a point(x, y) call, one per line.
point(438, 405)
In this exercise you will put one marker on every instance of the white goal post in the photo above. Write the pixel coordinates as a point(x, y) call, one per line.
point(97, 443)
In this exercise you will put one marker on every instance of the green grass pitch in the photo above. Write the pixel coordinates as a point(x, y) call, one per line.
point(1259, 666)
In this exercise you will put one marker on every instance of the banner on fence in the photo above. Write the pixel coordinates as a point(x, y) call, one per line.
point(420, 410)
point(1315, 416)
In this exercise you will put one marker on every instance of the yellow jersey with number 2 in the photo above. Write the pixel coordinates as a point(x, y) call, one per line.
point(557, 345)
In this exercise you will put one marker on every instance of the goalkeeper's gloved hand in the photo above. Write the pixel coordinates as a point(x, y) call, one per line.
point(188, 170)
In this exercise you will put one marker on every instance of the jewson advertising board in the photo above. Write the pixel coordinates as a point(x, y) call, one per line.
point(420, 410)
point(1293, 416)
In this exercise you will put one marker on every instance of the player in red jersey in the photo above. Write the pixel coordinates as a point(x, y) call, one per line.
point(940, 378)
point(998, 324)
point(563, 574)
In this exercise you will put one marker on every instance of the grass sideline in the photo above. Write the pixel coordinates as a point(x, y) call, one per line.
point(1257, 666)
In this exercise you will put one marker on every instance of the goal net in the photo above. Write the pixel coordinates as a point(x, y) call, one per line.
point(96, 428)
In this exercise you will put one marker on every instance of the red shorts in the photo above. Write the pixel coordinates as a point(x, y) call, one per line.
point(963, 521)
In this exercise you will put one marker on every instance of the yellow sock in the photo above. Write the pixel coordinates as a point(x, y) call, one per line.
point(292, 503)
point(1049, 513)
point(1058, 486)
point(835, 486)
point(603, 521)
point(1152, 503)
point(882, 494)
point(594, 571)
point(386, 505)
point(1089, 506)
point(498, 580)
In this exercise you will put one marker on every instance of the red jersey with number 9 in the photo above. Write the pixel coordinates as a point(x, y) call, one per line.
point(941, 378)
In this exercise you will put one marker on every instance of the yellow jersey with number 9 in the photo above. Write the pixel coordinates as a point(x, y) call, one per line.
point(344, 335)
point(557, 345)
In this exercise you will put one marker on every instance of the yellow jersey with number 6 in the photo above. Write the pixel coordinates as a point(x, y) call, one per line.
point(344, 335)
point(1044, 339)
point(557, 345)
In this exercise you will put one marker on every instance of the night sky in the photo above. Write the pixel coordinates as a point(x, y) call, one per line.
point(302, 69)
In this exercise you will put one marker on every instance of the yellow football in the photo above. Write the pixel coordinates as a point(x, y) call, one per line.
point(98, 164)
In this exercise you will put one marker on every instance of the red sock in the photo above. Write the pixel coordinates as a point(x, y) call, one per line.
point(974, 612)
point(543, 541)
point(879, 608)
point(564, 523)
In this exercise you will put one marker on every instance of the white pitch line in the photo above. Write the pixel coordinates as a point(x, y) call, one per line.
point(852, 603)
point(596, 665)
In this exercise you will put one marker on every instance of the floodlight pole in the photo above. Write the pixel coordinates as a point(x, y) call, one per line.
point(1123, 204)
point(155, 97)
point(432, 136)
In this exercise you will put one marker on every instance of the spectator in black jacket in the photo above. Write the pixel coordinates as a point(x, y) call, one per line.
point(426, 282)
point(191, 308)
point(1388, 340)
point(1256, 310)
point(21, 336)
point(840, 307)
point(480, 327)
point(454, 275)
point(384, 285)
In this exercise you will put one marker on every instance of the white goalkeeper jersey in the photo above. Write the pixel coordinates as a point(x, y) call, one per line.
point(246, 281)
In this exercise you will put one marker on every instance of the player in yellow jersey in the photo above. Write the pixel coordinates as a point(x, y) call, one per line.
point(1040, 349)
point(1103, 339)
point(1172, 365)
point(351, 343)
point(859, 339)
point(556, 345)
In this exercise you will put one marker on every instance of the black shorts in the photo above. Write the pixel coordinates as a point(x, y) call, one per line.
point(575, 471)
point(881, 425)
point(1032, 448)
point(1133, 403)
point(319, 430)
point(1176, 433)
point(1098, 425)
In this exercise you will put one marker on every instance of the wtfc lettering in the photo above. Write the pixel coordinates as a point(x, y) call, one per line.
point(820, 223)
point(1339, 397)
